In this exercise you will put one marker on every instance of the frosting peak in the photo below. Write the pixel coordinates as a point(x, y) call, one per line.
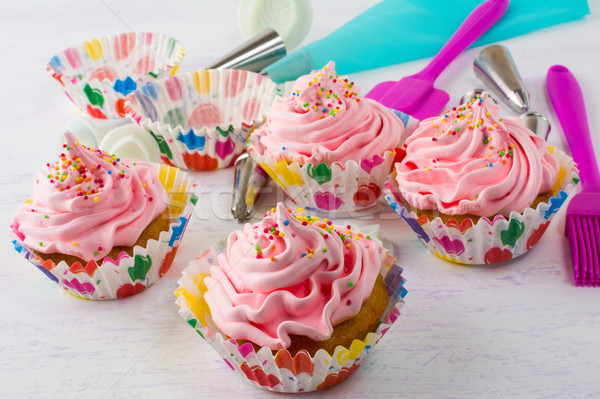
point(89, 201)
point(290, 274)
point(325, 120)
point(324, 92)
point(471, 160)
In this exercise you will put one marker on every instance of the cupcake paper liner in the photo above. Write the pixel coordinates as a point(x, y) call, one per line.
point(127, 275)
point(339, 190)
point(97, 74)
point(202, 119)
point(489, 241)
point(280, 372)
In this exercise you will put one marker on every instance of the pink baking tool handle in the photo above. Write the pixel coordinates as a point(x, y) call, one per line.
point(567, 100)
point(477, 23)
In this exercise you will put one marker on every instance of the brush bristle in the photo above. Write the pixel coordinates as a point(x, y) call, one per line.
point(584, 239)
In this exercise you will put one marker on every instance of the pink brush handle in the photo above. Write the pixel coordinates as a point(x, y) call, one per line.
point(477, 23)
point(567, 100)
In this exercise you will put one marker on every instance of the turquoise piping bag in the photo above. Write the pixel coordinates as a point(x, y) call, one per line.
point(395, 31)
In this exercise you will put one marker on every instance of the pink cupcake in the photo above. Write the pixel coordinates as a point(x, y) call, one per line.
point(293, 303)
point(478, 188)
point(103, 227)
point(326, 147)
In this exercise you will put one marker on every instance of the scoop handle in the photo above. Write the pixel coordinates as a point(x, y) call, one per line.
point(569, 105)
point(477, 23)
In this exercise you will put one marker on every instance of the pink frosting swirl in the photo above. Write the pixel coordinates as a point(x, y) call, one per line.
point(290, 274)
point(88, 202)
point(324, 120)
point(470, 160)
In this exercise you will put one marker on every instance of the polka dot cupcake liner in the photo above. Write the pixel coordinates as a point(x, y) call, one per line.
point(338, 190)
point(126, 275)
point(281, 372)
point(97, 74)
point(489, 241)
point(202, 119)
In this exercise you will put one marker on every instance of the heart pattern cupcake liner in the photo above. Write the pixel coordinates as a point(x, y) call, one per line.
point(280, 371)
point(202, 119)
point(127, 275)
point(337, 190)
point(489, 241)
point(97, 74)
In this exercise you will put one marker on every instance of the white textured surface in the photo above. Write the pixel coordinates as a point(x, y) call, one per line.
point(514, 330)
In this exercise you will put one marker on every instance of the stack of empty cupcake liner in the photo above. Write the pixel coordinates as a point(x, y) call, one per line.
point(97, 74)
point(202, 119)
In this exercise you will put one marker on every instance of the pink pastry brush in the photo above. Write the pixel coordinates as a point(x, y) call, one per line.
point(415, 95)
point(582, 225)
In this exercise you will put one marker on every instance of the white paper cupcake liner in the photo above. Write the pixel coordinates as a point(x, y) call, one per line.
point(335, 190)
point(97, 74)
point(489, 241)
point(127, 275)
point(202, 119)
point(280, 372)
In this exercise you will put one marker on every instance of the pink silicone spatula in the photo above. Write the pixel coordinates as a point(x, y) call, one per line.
point(415, 95)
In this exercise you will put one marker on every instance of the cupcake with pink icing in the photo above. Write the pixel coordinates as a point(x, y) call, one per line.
point(328, 148)
point(479, 188)
point(100, 226)
point(292, 303)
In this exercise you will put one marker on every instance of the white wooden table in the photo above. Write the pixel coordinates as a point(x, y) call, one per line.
point(519, 329)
